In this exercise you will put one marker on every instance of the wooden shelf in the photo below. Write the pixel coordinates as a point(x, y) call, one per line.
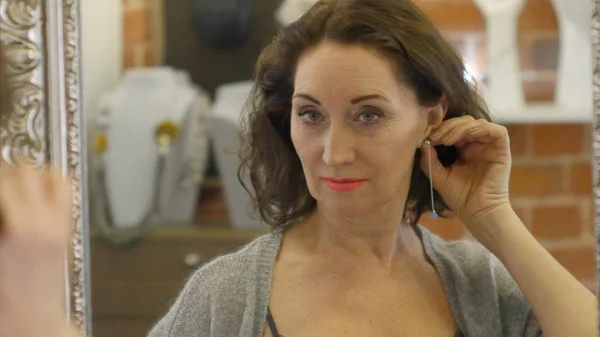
point(196, 232)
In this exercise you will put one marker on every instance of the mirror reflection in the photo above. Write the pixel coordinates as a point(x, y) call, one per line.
point(355, 106)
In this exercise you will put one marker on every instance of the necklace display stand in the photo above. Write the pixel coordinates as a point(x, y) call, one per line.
point(150, 169)
point(226, 111)
point(503, 89)
point(574, 76)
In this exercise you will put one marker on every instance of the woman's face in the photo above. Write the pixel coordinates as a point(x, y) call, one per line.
point(355, 127)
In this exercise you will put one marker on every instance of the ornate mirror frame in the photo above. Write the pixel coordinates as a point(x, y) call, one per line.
point(596, 141)
point(41, 118)
point(41, 121)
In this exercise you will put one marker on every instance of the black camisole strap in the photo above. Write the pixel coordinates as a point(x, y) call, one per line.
point(271, 323)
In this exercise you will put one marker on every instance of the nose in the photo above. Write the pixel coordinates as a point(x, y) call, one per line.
point(338, 149)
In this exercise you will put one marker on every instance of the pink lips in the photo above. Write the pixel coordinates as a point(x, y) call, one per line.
point(343, 185)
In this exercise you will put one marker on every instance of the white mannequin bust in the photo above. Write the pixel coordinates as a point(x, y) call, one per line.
point(145, 98)
point(229, 102)
point(504, 90)
point(575, 68)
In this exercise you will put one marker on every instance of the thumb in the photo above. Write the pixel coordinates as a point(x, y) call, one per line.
point(432, 167)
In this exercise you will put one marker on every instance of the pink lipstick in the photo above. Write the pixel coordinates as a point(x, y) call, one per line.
point(343, 185)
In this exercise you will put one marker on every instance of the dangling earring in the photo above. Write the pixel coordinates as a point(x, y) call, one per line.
point(427, 143)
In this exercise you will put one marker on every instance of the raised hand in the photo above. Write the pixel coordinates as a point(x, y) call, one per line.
point(478, 182)
point(35, 227)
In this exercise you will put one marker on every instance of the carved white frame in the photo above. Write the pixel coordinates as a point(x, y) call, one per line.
point(43, 124)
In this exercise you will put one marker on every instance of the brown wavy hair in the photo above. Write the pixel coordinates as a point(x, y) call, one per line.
point(425, 60)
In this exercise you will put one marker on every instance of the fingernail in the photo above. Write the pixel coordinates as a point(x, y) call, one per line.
point(473, 129)
point(435, 134)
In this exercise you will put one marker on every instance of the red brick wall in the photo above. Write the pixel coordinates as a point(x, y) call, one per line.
point(138, 49)
point(551, 180)
point(551, 184)
point(551, 189)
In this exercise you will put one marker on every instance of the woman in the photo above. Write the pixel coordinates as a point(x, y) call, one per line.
point(357, 107)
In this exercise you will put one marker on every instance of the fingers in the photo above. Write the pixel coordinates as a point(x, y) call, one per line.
point(465, 130)
point(59, 189)
point(432, 167)
point(34, 204)
point(35, 212)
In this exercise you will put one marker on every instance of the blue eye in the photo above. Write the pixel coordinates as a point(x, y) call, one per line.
point(309, 116)
point(369, 115)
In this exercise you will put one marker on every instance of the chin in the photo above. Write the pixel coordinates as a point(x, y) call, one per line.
point(345, 203)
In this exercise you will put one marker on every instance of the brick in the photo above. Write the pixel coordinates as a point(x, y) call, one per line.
point(556, 222)
point(578, 260)
point(544, 52)
point(558, 139)
point(135, 3)
point(590, 217)
point(519, 139)
point(464, 15)
point(538, 50)
point(536, 180)
point(448, 229)
point(539, 91)
point(128, 57)
point(138, 55)
point(453, 15)
point(212, 206)
point(149, 57)
point(580, 180)
point(137, 25)
point(537, 15)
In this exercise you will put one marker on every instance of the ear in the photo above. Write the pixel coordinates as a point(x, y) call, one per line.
point(435, 115)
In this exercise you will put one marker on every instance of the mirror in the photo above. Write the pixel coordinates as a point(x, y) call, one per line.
point(139, 102)
point(41, 116)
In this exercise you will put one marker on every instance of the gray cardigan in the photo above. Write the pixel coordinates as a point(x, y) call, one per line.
point(228, 296)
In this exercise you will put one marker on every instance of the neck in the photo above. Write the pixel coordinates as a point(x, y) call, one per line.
point(379, 239)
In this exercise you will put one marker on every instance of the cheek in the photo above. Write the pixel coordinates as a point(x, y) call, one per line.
point(394, 152)
point(392, 161)
point(297, 139)
point(307, 150)
point(303, 144)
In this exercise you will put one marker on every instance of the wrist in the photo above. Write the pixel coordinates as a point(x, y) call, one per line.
point(495, 228)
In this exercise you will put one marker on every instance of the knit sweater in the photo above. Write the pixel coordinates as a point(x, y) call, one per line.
point(229, 296)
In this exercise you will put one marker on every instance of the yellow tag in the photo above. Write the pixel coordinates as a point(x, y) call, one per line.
point(100, 143)
point(166, 129)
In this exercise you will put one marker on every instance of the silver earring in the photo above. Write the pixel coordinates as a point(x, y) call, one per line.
point(427, 143)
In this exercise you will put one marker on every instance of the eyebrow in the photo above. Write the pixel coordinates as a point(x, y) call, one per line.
point(354, 101)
